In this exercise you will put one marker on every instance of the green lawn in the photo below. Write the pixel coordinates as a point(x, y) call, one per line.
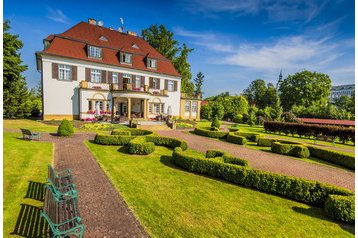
point(32, 125)
point(25, 164)
point(171, 202)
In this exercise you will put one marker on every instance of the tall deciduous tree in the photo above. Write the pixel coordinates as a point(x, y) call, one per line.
point(163, 41)
point(15, 99)
point(199, 80)
point(255, 92)
point(304, 89)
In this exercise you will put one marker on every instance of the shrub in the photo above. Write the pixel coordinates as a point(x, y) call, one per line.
point(233, 160)
point(215, 123)
point(236, 139)
point(104, 139)
point(335, 157)
point(341, 208)
point(234, 128)
point(131, 131)
point(265, 142)
point(302, 190)
point(250, 136)
point(299, 151)
point(140, 146)
point(204, 131)
point(65, 128)
point(239, 118)
point(214, 153)
point(167, 141)
point(183, 125)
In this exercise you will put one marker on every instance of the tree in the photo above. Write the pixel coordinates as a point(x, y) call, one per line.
point(206, 111)
point(183, 67)
point(304, 89)
point(255, 92)
point(270, 96)
point(16, 103)
point(163, 41)
point(217, 110)
point(345, 102)
point(199, 80)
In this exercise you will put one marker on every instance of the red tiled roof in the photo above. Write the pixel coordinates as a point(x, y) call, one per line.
point(327, 121)
point(72, 44)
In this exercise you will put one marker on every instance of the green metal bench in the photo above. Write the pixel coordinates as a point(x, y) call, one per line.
point(29, 135)
point(60, 178)
point(62, 193)
point(62, 216)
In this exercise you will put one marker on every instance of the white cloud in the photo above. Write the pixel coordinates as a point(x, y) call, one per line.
point(57, 15)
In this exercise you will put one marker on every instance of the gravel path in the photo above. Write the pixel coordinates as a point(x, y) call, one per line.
point(104, 212)
point(268, 161)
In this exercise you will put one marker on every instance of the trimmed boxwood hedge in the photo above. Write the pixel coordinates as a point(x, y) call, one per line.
point(302, 190)
point(250, 136)
point(299, 151)
point(140, 146)
point(341, 208)
point(267, 142)
point(131, 132)
point(104, 139)
point(236, 139)
point(226, 158)
point(214, 153)
point(335, 157)
point(167, 141)
point(205, 131)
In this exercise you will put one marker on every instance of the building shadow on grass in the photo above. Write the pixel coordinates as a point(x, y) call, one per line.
point(320, 214)
point(29, 223)
point(36, 191)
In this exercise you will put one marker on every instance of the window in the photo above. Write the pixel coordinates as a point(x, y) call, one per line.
point(194, 107)
point(94, 52)
point(99, 105)
point(114, 78)
point(64, 72)
point(170, 85)
point(127, 78)
point(156, 107)
point(137, 82)
point(151, 63)
point(89, 105)
point(187, 106)
point(126, 58)
point(96, 75)
point(107, 107)
point(156, 83)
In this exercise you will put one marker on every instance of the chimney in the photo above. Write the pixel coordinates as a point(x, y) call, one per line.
point(92, 21)
point(132, 33)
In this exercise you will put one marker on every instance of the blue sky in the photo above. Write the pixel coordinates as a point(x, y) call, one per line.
point(234, 41)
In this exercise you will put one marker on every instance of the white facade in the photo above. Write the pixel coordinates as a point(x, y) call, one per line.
point(342, 90)
point(70, 99)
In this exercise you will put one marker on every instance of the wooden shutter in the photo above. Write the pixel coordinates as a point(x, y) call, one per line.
point(166, 84)
point(158, 83)
point(104, 76)
point(142, 82)
point(54, 70)
point(150, 82)
point(88, 74)
point(109, 77)
point(74, 73)
point(120, 81)
point(175, 86)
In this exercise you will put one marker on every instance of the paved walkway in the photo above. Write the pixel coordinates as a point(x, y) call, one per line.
point(268, 161)
point(104, 212)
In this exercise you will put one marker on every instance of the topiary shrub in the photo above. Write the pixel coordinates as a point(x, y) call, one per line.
point(335, 157)
point(283, 149)
point(214, 153)
point(236, 139)
point(104, 139)
point(265, 142)
point(234, 160)
point(131, 131)
point(300, 151)
point(140, 146)
point(254, 137)
point(340, 208)
point(65, 128)
point(167, 141)
point(215, 123)
point(205, 131)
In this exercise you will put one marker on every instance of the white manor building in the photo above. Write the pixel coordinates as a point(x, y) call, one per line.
point(342, 90)
point(91, 71)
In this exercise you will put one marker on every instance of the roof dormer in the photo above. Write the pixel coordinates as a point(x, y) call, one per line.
point(94, 52)
point(152, 63)
point(125, 58)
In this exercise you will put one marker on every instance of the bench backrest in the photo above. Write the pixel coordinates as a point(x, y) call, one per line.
point(26, 131)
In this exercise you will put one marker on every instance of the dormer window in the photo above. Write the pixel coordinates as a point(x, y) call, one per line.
point(126, 58)
point(151, 63)
point(94, 52)
point(103, 38)
point(135, 46)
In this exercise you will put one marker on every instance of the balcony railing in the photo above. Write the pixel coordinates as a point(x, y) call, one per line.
point(102, 86)
point(192, 96)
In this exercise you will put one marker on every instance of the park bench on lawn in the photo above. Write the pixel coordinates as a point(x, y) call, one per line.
point(62, 216)
point(29, 135)
point(61, 205)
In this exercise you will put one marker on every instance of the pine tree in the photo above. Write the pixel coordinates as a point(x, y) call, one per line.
point(16, 103)
point(199, 80)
